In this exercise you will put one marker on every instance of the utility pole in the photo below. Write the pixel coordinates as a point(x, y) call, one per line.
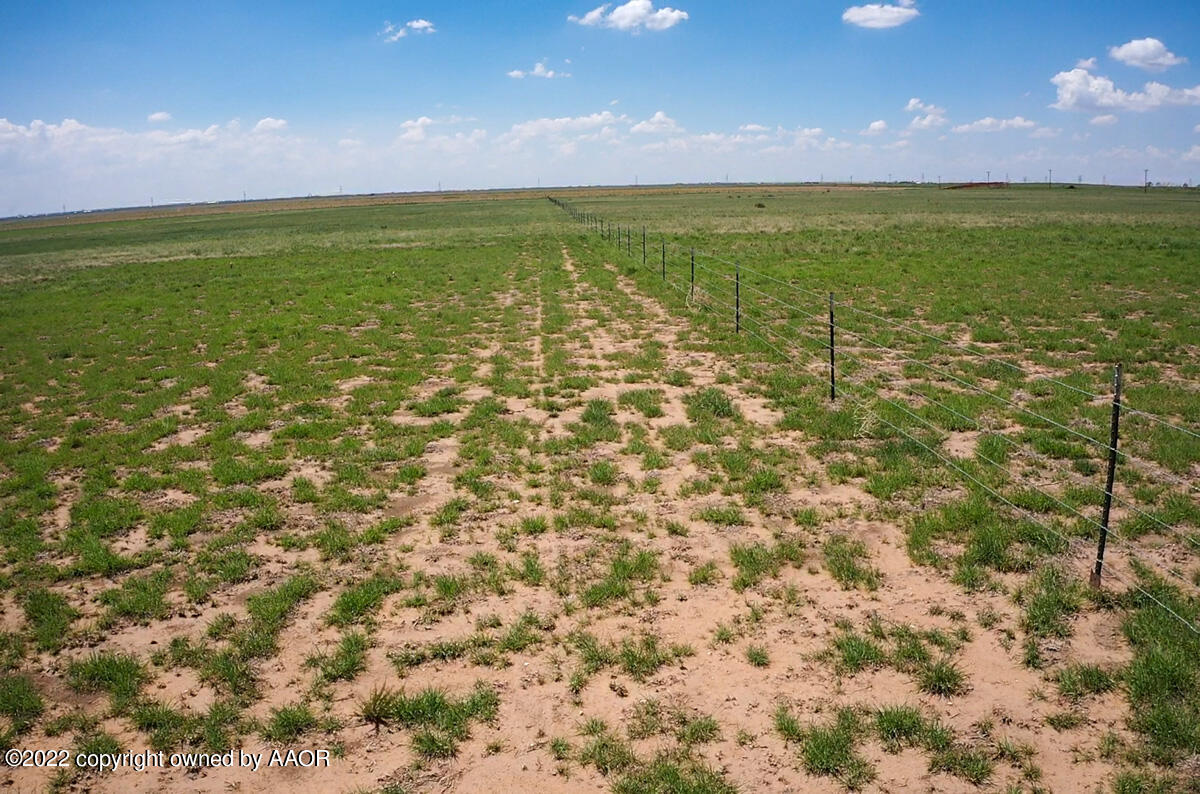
point(1145, 180)
point(989, 177)
point(1050, 179)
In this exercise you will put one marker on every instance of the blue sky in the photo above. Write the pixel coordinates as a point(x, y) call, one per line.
point(111, 104)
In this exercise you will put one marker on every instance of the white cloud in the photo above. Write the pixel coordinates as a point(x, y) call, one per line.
point(875, 128)
point(1086, 63)
point(555, 128)
point(1149, 54)
point(1104, 120)
point(753, 128)
point(915, 104)
point(933, 117)
point(539, 70)
point(159, 117)
point(415, 133)
point(1046, 132)
point(414, 129)
point(269, 124)
point(659, 123)
point(634, 16)
point(1079, 90)
point(393, 33)
point(1193, 155)
point(1196, 128)
point(992, 124)
point(881, 15)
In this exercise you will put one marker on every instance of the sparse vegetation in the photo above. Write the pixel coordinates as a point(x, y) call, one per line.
point(315, 445)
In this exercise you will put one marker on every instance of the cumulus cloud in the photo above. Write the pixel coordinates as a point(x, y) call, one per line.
point(992, 124)
point(417, 133)
point(1086, 63)
point(1192, 155)
point(269, 124)
point(753, 128)
point(931, 116)
point(392, 33)
point(1046, 132)
point(413, 130)
point(539, 70)
point(1104, 120)
point(659, 123)
point(556, 128)
point(881, 15)
point(634, 16)
point(158, 117)
point(1149, 54)
point(1080, 90)
point(875, 128)
point(1196, 128)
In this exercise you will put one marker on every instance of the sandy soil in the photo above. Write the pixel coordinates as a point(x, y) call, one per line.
point(1005, 698)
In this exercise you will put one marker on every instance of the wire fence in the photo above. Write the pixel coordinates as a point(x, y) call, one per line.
point(929, 390)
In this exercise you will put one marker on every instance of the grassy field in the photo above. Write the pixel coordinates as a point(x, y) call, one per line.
point(465, 494)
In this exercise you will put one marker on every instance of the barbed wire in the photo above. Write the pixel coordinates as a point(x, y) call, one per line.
point(1162, 421)
point(769, 326)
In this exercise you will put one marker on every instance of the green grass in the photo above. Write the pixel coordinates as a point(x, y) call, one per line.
point(829, 750)
point(723, 515)
point(20, 703)
point(288, 723)
point(705, 574)
point(346, 661)
point(757, 561)
point(899, 727)
point(1077, 681)
point(178, 423)
point(121, 675)
point(140, 597)
point(50, 615)
point(359, 601)
point(626, 569)
point(844, 559)
point(1050, 598)
point(855, 652)
point(439, 721)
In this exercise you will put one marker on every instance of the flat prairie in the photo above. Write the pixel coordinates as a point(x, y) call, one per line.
point(467, 493)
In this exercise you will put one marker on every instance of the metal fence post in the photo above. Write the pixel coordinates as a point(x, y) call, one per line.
point(832, 367)
point(1112, 470)
point(664, 254)
point(643, 246)
point(737, 298)
point(692, 286)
